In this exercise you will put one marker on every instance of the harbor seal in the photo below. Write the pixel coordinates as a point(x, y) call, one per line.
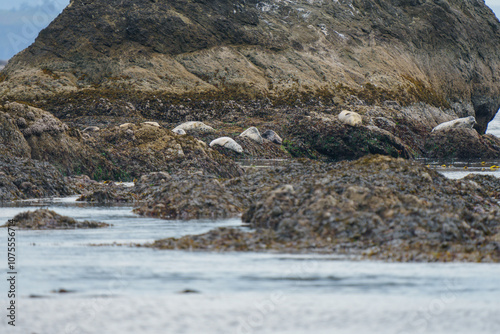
point(155, 124)
point(272, 136)
point(194, 126)
point(252, 133)
point(228, 143)
point(460, 123)
point(350, 117)
point(180, 132)
point(91, 129)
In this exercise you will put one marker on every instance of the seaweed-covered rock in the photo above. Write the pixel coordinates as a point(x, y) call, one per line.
point(22, 178)
point(376, 207)
point(443, 53)
point(181, 196)
point(138, 150)
point(44, 219)
point(462, 143)
point(108, 193)
point(328, 136)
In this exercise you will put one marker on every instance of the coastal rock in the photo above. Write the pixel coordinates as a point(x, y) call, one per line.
point(44, 219)
point(46, 138)
point(252, 133)
point(152, 149)
point(108, 193)
point(197, 126)
point(225, 50)
point(22, 178)
point(228, 143)
point(461, 123)
point(272, 137)
point(350, 118)
point(376, 207)
point(462, 143)
point(184, 196)
point(331, 138)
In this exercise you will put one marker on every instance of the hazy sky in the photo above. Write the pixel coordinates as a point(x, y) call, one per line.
point(21, 23)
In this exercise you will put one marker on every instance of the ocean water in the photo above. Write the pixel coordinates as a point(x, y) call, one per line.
point(117, 289)
point(494, 126)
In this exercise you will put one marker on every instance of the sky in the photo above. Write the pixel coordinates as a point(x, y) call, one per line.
point(21, 23)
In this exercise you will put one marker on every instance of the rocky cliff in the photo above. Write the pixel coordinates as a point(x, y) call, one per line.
point(441, 52)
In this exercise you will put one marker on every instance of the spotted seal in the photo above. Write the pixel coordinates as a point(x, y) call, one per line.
point(228, 143)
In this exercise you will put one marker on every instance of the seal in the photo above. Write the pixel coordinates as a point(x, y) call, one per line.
point(252, 133)
point(194, 126)
point(91, 129)
point(350, 117)
point(180, 132)
point(459, 123)
point(228, 143)
point(155, 124)
point(272, 137)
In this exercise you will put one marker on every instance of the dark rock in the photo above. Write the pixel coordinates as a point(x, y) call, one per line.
point(44, 219)
point(377, 207)
point(462, 144)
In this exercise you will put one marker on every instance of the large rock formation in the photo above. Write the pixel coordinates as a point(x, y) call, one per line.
point(441, 52)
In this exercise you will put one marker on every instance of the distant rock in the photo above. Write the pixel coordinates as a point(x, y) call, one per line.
point(376, 51)
point(252, 133)
point(44, 219)
point(91, 129)
point(461, 143)
point(228, 143)
point(184, 196)
point(461, 123)
point(351, 118)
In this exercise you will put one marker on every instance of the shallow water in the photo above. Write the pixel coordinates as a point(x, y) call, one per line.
point(136, 290)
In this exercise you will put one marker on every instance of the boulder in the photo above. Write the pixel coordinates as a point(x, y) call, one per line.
point(461, 143)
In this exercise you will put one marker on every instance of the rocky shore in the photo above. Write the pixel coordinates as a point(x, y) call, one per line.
point(348, 96)
point(376, 207)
